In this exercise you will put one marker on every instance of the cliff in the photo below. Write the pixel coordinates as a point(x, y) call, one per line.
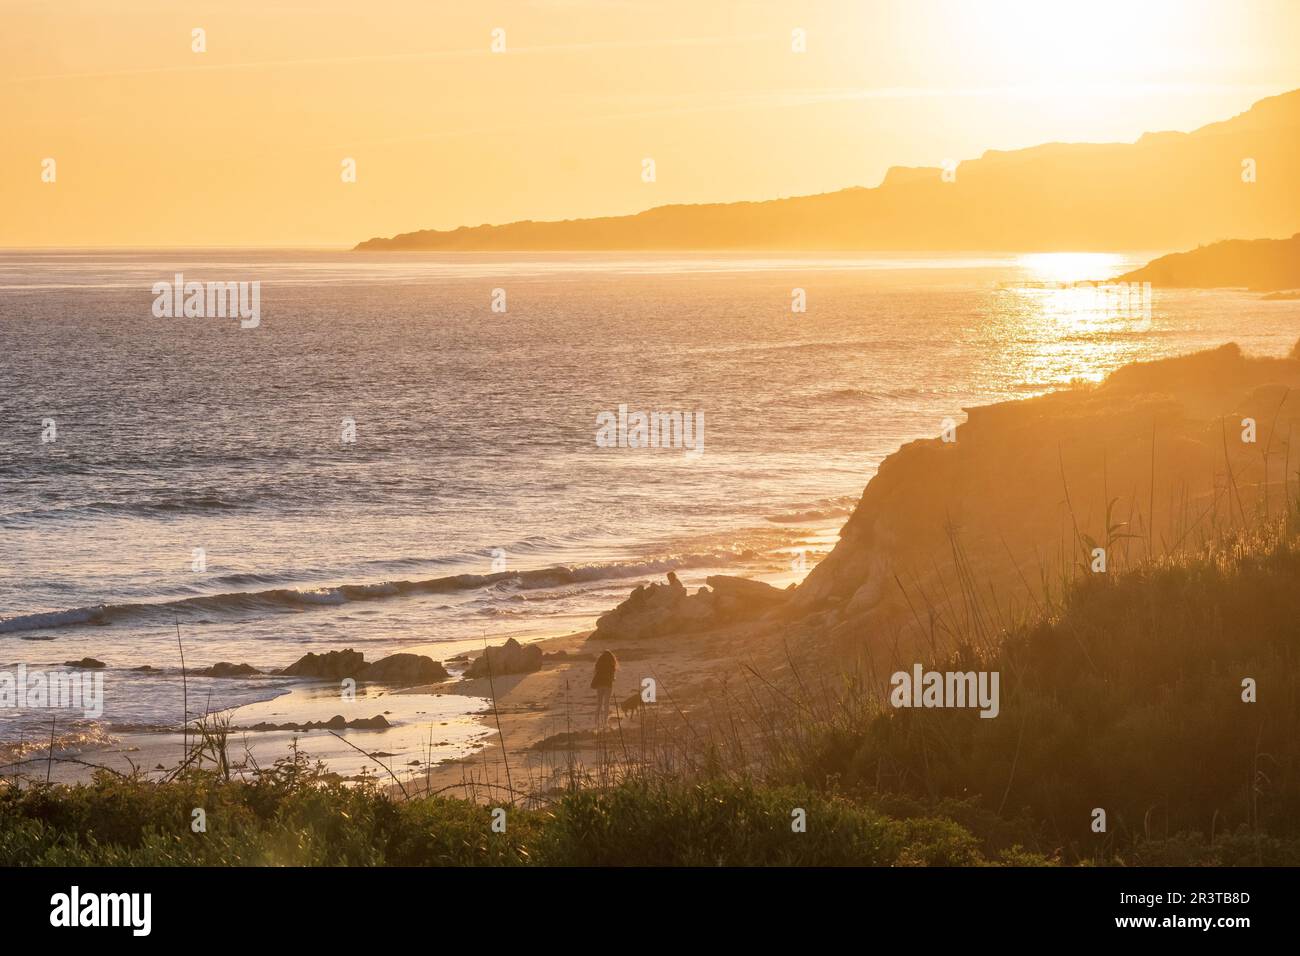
point(1151, 459)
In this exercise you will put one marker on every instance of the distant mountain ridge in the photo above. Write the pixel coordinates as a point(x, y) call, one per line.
point(1263, 265)
point(1167, 190)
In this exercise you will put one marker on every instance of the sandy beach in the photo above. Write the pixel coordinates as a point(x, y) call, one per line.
point(543, 725)
point(542, 728)
point(456, 715)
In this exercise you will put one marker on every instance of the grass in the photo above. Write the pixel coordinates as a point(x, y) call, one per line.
point(294, 815)
point(1127, 696)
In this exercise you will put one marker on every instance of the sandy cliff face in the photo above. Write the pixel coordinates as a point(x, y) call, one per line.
point(1026, 485)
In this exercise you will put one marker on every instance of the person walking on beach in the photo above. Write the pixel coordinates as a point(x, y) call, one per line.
point(603, 683)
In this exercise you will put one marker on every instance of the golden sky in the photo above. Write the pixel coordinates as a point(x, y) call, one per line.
point(157, 145)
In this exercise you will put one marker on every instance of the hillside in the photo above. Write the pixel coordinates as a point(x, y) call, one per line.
point(1167, 190)
point(1144, 463)
point(1264, 265)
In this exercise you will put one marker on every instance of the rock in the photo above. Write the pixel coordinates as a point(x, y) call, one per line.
point(335, 665)
point(337, 722)
point(394, 669)
point(728, 590)
point(227, 669)
point(406, 669)
point(656, 610)
point(510, 658)
point(565, 741)
point(649, 611)
point(143, 669)
point(88, 663)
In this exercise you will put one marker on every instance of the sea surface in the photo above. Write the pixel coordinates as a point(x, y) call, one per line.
point(184, 484)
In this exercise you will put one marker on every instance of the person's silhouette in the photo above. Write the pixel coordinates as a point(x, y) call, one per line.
point(603, 683)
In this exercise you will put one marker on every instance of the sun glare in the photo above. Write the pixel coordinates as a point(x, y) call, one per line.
point(1064, 45)
point(1070, 266)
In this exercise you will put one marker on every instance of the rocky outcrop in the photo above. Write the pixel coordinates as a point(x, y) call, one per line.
point(656, 610)
point(227, 669)
point(337, 722)
point(334, 665)
point(406, 669)
point(340, 665)
point(86, 663)
point(734, 596)
point(510, 658)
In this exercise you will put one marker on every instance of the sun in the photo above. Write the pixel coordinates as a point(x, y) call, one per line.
point(1066, 47)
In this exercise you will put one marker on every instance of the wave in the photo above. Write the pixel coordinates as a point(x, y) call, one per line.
point(289, 599)
point(850, 395)
point(197, 505)
point(79, 734)
point(846, 395)
point(822, 510)
point(816, 514)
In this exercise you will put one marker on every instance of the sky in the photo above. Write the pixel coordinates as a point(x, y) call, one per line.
point(245, 142)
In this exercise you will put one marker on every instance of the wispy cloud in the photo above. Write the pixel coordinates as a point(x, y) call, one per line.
point(430, 55)
point(656, 105)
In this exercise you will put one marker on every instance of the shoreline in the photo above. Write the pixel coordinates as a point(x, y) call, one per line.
point(537, 714)
point(301, 701)
point(438, 720)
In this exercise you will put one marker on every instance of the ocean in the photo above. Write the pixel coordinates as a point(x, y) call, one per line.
point(405, 452)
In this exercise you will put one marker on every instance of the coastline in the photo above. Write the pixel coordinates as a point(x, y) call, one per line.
point(770, 698)
point(854, 612)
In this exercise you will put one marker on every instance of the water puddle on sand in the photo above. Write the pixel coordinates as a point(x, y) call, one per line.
point(428, 728)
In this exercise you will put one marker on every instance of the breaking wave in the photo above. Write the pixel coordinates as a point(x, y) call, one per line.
point(288, 599)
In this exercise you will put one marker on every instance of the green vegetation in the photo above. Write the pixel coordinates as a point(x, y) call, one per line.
point(1128, 697)
point(295, 816)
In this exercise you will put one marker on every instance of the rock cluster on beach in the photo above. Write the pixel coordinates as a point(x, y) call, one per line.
point(510, 658)
point(656, 610)
point(340, 665)
point(406, 669)
point(337, 722)
point(227, 669)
